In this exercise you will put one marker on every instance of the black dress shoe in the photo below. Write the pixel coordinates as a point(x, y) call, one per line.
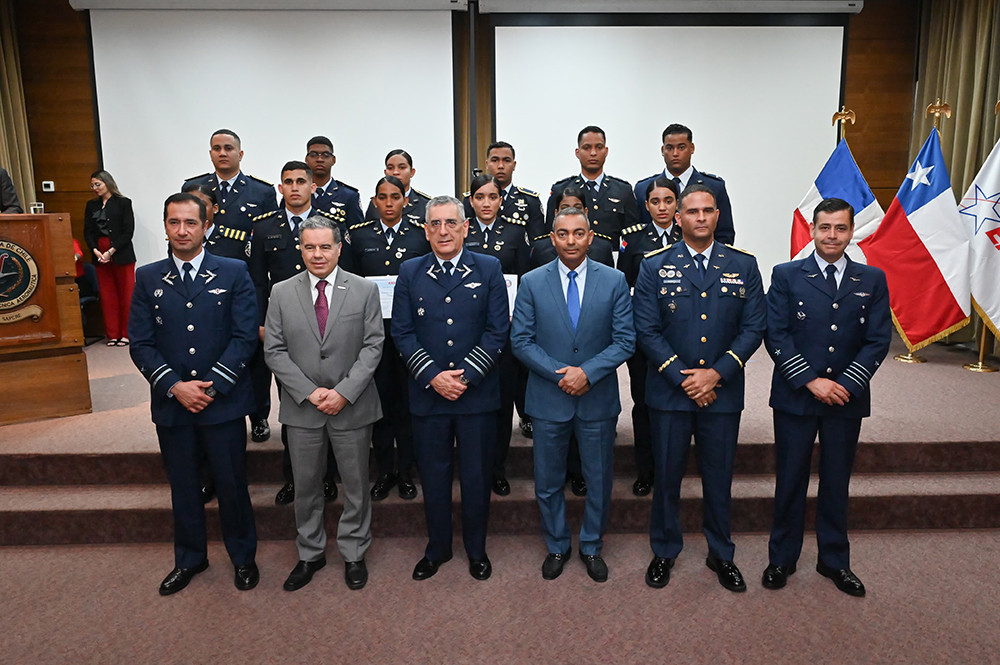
point(658, 573)
point(596, 568)
point(729, 575)
point(642, 487)
point(500, 486)
point(207, 493)
point(260, 431)
point(285, 495)
point(355, 574)
point(552, 567)
point(481, 569)
point(775, 577)
point(526, 429)
point(381, 488)
point(246, 577)
point(845, 580)
point(426, 567)
point(180, 577)
point(578, 486)
point(407, 490)
point(303, 573)
point(329, 491)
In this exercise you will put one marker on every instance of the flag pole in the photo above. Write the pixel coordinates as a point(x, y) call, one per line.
point(985, 336)
point(842, 116)
point(937, 109)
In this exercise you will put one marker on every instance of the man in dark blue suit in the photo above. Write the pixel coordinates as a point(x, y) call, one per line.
point(241, 198)
point(193, 328)
point(828, 330)
point(450, 323)
point(678, 146)
point(699, 316)
point(572, 328)
point(337, 198)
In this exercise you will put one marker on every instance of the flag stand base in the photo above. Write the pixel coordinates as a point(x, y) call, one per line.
point(909, 358)
point(979, 367)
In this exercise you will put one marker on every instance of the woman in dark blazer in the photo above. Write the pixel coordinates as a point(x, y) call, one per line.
point(108, 225)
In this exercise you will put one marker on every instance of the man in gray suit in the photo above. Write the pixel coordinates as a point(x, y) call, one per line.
point(322, 340)
point(572, 328)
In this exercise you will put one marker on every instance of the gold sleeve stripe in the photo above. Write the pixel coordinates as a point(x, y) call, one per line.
point(664, 365)
point(730, 352)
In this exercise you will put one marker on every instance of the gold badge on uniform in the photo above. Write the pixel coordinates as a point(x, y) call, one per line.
point(663, 291)
point(663, 272)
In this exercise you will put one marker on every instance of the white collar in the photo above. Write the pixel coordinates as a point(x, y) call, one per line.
point(195, 263)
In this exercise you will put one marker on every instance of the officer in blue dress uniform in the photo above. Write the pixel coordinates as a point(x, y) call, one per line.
point(677, 149)
point(399, 164)
point(337, 198)
point(274, 257)
point(828, 330)
point(518, 203)
point(505, 238)
point(699, 316)
point(638, 241)
point(450, 321)
point(193, 328)
point(611, 203)
point(240, 198)
point(379, 247)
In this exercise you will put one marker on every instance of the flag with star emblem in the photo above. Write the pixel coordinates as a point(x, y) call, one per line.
point(840, 178)
point(980, 212)
point(923, 247)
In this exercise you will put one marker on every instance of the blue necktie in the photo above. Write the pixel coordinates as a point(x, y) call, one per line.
point(224, 187)
point(296, 220)
point(700, 259)
point(188, 277)
point(831, 280)
point(573, 299)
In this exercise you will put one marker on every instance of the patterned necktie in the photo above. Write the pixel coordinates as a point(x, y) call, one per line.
point(573, 299)
point(700, 260)
point(295, 226)
point(388, 236)
point(188, 274)
point(486, 236)
point(224, 186)
point(831, 280)
point(592, 190)
point(322, 307)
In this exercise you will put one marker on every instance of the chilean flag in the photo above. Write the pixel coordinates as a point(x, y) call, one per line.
point(840, 178)
point(923, 247)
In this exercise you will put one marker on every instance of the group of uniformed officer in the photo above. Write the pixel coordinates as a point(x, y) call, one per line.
point(698, 319)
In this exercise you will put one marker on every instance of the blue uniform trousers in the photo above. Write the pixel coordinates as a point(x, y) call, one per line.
point(793, 445)
point(596, 440)
point(434, 440)
point(225, 446)
point(715, 436)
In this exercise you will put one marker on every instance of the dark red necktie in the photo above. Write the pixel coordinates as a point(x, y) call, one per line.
point(322, 307)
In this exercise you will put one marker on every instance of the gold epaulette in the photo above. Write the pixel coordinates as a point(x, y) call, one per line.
point(260, 180)
point(655, 252)
point(525, 190)
point(741, 251)
point(632, 229)
point(510, 220)
point(417, 191)
point(466, 195)
point(264, 216)
point(366, 223)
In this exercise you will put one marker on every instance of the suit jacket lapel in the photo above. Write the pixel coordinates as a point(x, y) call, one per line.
point(304, 292)
point(813, 276)
point(337, 294)
point(595, 278)
point(559, 300)
point(850, 279)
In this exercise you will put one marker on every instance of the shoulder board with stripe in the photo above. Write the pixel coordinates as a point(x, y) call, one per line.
point(419, 193)
point(358, 226)
point(526, 191)
point(656, 251)
point(343, 184)
point(198, 177)
point(264, 182)
point(710, 175)
point(633, 229)
point(510, 220)
point(264, 216)
point(465, 195)
point(741, 251)
point(413, 222)
point(611, 177)
point(324, 213)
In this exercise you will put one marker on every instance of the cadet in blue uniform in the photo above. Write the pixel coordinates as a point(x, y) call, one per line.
point(399, 164)
point(504, 238)
point(677, 149)
point(240, 198)
point(337, 198)
point(699, 316)
point(612, 203)
point(193, 328)
point(828, 330)
point(450, 322)
point(661, 201)
point(274, 257)
point(519, 204)
point(379, 248)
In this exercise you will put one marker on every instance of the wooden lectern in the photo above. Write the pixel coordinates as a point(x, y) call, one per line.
point(43, 370)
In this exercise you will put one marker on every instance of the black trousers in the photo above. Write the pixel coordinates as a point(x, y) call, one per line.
point(393, 382)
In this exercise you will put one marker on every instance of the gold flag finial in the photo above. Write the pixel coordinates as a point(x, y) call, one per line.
point(842, 116)
point(938, 109)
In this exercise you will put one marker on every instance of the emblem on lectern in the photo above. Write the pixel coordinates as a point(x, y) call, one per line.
point(18, 282)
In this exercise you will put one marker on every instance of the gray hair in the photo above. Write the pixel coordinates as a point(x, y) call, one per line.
point(566, 212)
point(439, 201)
point(321, 222)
